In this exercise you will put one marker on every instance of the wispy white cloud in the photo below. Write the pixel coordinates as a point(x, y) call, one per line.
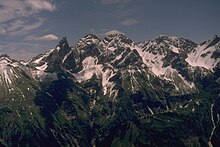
point(31, 26)
point(19, 20)
point(20, 26)
point(15, 25)
point(41, 5)
point(49, 37)
point(17, 16)
point(11, 9)
point(129, 22)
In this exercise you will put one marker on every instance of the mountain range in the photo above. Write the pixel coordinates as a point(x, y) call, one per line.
point(113, 91)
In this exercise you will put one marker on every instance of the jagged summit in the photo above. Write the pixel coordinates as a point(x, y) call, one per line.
point(63, 41)
point(91, 36)
point(11, 72)
point(206, 54)
point(111, 91)
point(63, 44)
point(213, 41)
point(167, 37)
point(5, 58)
point(215, 37)
point(172, 39)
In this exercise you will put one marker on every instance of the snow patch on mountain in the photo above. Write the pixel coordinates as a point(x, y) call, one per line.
point(154, 62)
point(39, 71)
point(112, 49)
point(202, 57)
point(106, 75)
point(37, 61)
point(5, 70)
point(175, 49)
point(7, 79)
point(9, 72)
point(66, 56)
point(42, 57)
point(58, 48)
point(91, 68)
point(179, 81)
point(133, 81)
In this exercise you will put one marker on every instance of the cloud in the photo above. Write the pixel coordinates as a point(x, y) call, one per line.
point(20, 17)
point(113, 32)
point(41, 5)
point(15, 25)
point(19, 21)
point(12, 9)
point(20, 27)
point(49, 37)
point(129, 22)
point(35, 25)
point(2, 31)
point(109, 2)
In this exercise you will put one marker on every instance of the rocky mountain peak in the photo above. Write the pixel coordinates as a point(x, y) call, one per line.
point(63, 41)
point(167, 37)
point(63, 45)
point(91, 36)
point(88, 40)
point(110, 92)
point(117, 41)
point(4, 58)
point(213, 41)
point(176, 44)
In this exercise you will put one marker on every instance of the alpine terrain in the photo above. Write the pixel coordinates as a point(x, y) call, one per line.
point(113, 91)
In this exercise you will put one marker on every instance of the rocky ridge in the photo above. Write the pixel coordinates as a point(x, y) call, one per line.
point(112, 91)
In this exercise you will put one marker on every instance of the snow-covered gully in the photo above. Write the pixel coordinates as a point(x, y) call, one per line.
point(214, 124)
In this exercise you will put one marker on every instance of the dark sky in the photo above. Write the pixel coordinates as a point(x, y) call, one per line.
point(29, 27)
